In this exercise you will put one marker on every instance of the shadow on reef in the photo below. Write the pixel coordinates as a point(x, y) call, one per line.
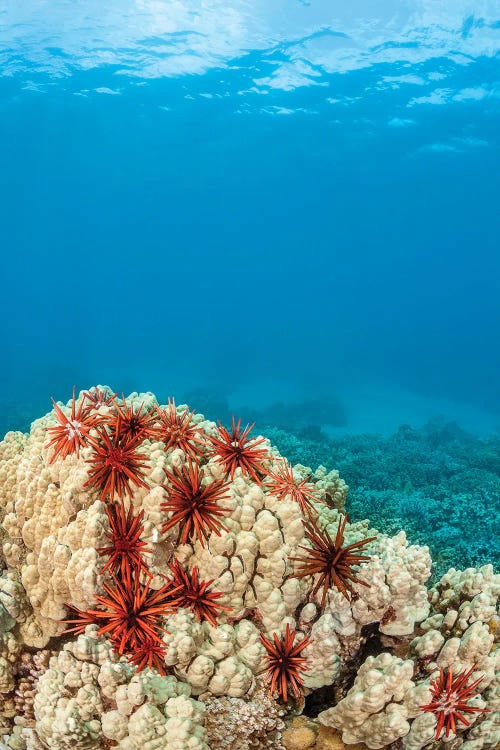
point(322, 698)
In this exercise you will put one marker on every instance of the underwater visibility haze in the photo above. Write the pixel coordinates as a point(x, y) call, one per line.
point(266, 200)
point(281, 211)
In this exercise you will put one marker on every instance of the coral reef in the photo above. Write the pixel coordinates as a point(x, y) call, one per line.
point(169, 582)
point(429, 481)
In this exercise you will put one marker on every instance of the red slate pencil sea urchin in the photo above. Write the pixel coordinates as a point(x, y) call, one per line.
point(177, 430)
point(126, 548)
point(193, 504)
point(193, 594)
point(149, 653)
point(129, 614)
point(285, 662)
point(72, 432)
point(233, 449)
point(98, 398)
point(131, 421)
point(332, 562)
point(115, 464)
point(282, 484)
point(450, 696)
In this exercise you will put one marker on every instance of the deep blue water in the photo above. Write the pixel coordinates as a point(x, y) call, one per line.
point(265, 201)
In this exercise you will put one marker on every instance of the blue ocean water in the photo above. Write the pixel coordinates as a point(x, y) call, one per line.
point(284, 210)
point(257, 202)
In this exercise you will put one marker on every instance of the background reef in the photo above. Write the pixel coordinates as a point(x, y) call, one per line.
point(438, 482)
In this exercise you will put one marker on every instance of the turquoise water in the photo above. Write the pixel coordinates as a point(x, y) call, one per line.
point(286, 210)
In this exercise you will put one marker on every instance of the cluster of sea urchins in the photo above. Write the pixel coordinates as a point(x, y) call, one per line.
point(130, 613)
